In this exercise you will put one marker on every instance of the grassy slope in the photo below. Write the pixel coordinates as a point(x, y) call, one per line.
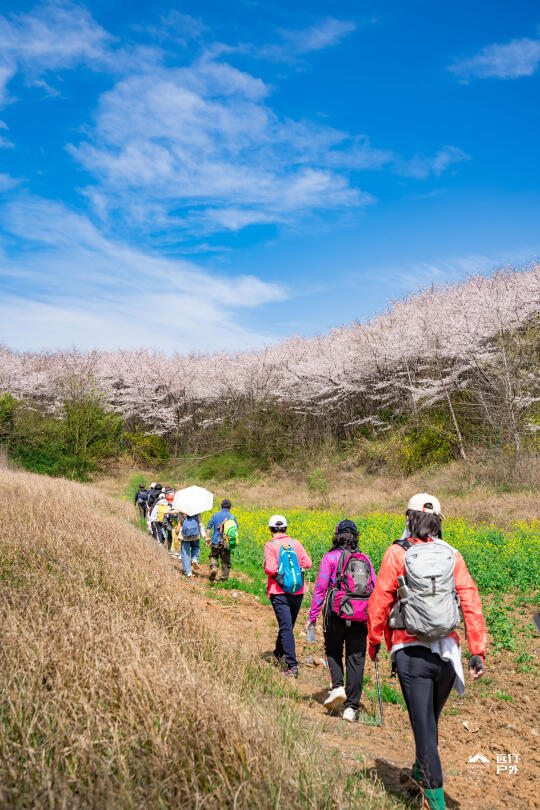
point(113, 694)
point(465, 490)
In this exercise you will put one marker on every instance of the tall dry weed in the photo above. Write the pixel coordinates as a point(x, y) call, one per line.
point(114, 694)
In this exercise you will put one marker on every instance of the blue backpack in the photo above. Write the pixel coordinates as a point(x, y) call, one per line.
point(289, 575)
point(190, 527)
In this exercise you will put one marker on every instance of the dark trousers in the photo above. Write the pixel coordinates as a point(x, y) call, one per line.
point(336, 636)
point(286, 607)
point(218, 553)
point(156, 529)
point(426, 682)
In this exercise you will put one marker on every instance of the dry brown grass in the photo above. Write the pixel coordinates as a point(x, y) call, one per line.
point(483, 490)
point(112, 692)
point(462, 491)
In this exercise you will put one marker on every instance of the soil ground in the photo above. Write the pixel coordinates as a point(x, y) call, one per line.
point(501, 711)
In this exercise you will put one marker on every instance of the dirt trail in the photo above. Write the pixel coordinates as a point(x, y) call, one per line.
point(497, 727)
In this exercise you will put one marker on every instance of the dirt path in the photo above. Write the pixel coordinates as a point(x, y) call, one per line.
point(497, 727)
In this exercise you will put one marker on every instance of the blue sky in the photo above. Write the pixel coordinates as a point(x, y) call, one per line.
point(218, 175)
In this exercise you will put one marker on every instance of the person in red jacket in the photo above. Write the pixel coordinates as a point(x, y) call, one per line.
point(286, 605)
point(427, 671)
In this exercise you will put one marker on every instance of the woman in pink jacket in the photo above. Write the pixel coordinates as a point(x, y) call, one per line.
point(286, 605)
point(338, 632)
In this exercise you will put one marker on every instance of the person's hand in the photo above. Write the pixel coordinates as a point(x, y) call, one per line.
point(374, 651)
point(476, 666)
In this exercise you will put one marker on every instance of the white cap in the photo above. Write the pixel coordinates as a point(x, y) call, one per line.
point(277, 522)
point(152, 485)
point(423, 502)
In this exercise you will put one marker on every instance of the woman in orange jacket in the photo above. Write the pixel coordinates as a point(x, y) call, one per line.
point(427, 669)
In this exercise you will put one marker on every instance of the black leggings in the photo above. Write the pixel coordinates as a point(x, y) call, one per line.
point(336, 636)
point(426, 682)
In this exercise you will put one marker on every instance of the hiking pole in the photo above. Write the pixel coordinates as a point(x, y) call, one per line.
point(379, 691)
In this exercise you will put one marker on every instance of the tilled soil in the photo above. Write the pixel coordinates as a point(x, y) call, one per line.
point(503, 731)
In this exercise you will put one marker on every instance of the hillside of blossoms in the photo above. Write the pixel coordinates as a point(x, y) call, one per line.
point(462, 356)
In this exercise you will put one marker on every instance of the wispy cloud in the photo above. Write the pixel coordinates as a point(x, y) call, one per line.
point(323, 34)
point(94, 291)
point(52, 36)
point(188, 143)
point(422, 166)
point(510, 60)
point(295, 44)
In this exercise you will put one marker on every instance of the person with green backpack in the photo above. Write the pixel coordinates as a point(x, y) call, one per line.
point(285, 561)
point(221, 540)
point(415, 603)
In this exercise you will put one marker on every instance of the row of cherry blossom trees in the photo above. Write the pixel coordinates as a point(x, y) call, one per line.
point(469, 350)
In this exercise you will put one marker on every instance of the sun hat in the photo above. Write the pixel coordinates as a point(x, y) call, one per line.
point(423, 502)
point(152, 485)
point(277, 522)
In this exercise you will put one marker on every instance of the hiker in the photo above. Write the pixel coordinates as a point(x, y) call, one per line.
point(346, 579)
point(141, 496)
point(420, 632)
point(191, 531)
point(153, 494)
point(156, 517)
point(285, 561)
point(166, 518)
point(149, 500)
point(220, 550)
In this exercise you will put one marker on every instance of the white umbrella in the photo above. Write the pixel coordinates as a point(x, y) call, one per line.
point(193, 500)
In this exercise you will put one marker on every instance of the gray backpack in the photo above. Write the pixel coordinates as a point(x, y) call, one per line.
point(428, 604)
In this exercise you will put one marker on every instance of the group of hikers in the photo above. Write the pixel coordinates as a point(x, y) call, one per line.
point(414, 602)
point(182, 533)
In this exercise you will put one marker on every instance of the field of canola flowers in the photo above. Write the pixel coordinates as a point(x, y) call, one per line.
point(498, 560)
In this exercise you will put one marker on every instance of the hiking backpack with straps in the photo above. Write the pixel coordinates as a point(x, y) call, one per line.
point(290, 576)
point(190, 527)
point(429, 610)
point(355, 580)
point(142, 496)
point(228, 530)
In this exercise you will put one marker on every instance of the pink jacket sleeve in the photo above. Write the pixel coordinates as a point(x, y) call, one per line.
point(271, 556)
point(303, 557)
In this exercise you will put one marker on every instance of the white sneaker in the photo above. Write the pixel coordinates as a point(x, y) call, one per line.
point(336, 697)
point(187, 575)
point(349, 715)
point(195, 566)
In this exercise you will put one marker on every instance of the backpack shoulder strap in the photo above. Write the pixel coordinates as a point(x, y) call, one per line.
point(403, 542)
point(342, 562)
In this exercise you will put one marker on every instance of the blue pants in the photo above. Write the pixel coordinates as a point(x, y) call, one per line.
point(189, 550)
point(286, 607)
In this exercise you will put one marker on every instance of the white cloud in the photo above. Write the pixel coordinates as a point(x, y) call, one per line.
point(93, 291)
point(422, 166)
point(6, 181)
point(511, 60)
point(296, 43)
point(327, 32)
point(52, 36)
point(183, 144)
